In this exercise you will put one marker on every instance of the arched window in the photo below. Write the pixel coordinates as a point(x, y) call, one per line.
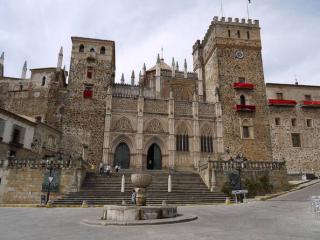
point(242, 100)
point(92, 50)
point(206, 139)
point(43, 81)
point(248, 35)
point(247, 129)
point(102, 50)
point(229, 33)
point(238, 33)
point(81, 48)
point(182, 139)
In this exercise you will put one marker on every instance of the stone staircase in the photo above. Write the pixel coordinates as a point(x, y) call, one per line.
point(187, 188)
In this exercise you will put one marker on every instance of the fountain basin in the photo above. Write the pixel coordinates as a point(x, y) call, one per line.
point(141, 180)
point(131, 213)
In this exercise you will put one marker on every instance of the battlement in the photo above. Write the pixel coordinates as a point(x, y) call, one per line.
point(227, 23)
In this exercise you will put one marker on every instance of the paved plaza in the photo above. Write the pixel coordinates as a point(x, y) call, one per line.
point(285, 217)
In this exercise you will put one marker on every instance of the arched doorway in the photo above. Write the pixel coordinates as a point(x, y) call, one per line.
point(122, 156)
point(154, 160)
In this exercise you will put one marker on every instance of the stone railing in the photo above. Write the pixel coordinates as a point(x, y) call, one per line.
point(43, 164)
point(125, 90)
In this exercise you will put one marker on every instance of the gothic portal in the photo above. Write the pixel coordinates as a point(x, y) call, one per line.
point(154, 160)
point(122, 156)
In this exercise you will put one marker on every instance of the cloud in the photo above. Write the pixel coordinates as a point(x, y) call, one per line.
point(35, 30)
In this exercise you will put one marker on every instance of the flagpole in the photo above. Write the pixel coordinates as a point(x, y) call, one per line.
point(248, 8)
point(221, 8)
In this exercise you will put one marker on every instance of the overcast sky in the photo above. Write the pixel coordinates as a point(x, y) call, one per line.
point(34, 31)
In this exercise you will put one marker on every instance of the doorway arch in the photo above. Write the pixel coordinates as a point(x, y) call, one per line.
point(122, 156)
point(154, 158)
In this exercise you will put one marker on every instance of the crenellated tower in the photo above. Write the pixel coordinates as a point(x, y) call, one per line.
point(230, 71)
point(92, 70)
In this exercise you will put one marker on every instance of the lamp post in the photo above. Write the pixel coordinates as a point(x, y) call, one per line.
point(50, 179)
point(239, 162)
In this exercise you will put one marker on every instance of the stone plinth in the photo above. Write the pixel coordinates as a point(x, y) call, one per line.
point(130, 213)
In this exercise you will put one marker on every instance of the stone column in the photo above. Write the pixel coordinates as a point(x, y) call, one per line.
point(107, 125)
point(219, 131)
point(196, 131)
point(139, 135)
point(171, 142)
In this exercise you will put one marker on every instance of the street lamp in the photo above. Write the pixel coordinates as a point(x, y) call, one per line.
point(50, 178)
point(239, 162)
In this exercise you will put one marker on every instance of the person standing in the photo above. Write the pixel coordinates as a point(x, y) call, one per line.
point(133, 197)
point(101, 168)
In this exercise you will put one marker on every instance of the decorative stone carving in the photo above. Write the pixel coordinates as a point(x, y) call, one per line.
point(122, 125)
point(154, 126)
point(155, 106)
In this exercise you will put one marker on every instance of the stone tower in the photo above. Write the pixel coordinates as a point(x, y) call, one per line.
point(92, 70)
point(229, 66)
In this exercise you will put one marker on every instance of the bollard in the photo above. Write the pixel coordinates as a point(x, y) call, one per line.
point(227, 202)
point(169, 183)
point(84, 204)
point(122, 183)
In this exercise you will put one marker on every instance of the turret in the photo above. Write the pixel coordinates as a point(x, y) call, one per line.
point(177, 66)
point(185, 69)
point(2, 65)
point(60, 58)
point(173, 66)
point(24, 70)
point(132, 78)
point(158, 66)
point(122, 79)
point(158, 74)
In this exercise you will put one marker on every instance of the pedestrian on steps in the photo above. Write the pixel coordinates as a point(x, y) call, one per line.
point(101, 168)
point(133, 197)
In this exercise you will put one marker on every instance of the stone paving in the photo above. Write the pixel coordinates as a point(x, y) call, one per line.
point(283, 218)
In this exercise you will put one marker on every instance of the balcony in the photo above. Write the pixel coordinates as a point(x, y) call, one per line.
point(311, 104)
point(286, 103)
point(240, 85)
point(245, 108)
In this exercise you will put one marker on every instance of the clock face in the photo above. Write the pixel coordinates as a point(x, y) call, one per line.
point(239, 54)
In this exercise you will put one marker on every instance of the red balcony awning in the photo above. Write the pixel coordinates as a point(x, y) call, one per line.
point(313, 104)
point(245, 108)
point(277, 102)
point(239, 85)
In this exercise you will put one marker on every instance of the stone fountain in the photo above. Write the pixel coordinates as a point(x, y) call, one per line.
point(139, 214)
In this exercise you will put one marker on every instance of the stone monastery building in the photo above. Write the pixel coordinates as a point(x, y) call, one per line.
point(169, 117)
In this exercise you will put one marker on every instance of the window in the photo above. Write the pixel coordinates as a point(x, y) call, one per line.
point(280, 96)
point(277, 121)
point(247, 129)
point(43, 81)
point(245, 132)
point(2, 125)
point(293, 122)
point(90, 72)
point(238, 33)
point(182, 143)
point(102, 50)
point(92, 50)
point(309, 122)
point(307, 97)
point(206, 144)
point(87, 93)
point(248, 35)
point(229, 33)
point(81, 48)
point(242, 80)
point(17, 135)
point(242, 100)
point(38, 119)
point(295, 139)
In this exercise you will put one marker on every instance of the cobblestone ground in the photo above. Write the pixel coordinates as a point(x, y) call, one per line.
point(286, 217)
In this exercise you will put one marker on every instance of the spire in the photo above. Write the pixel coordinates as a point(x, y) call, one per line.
point(158, 59)
point(1, 64)
point(173, 66)
point(2, 58)
point(158, 66)
point(177, 66)
point(60, 58)
point(132, 78)
point(185, 69)
point(144, 69)
point(122, 79)
point(24, 70)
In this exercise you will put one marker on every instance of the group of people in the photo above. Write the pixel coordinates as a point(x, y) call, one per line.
point(107, 169)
